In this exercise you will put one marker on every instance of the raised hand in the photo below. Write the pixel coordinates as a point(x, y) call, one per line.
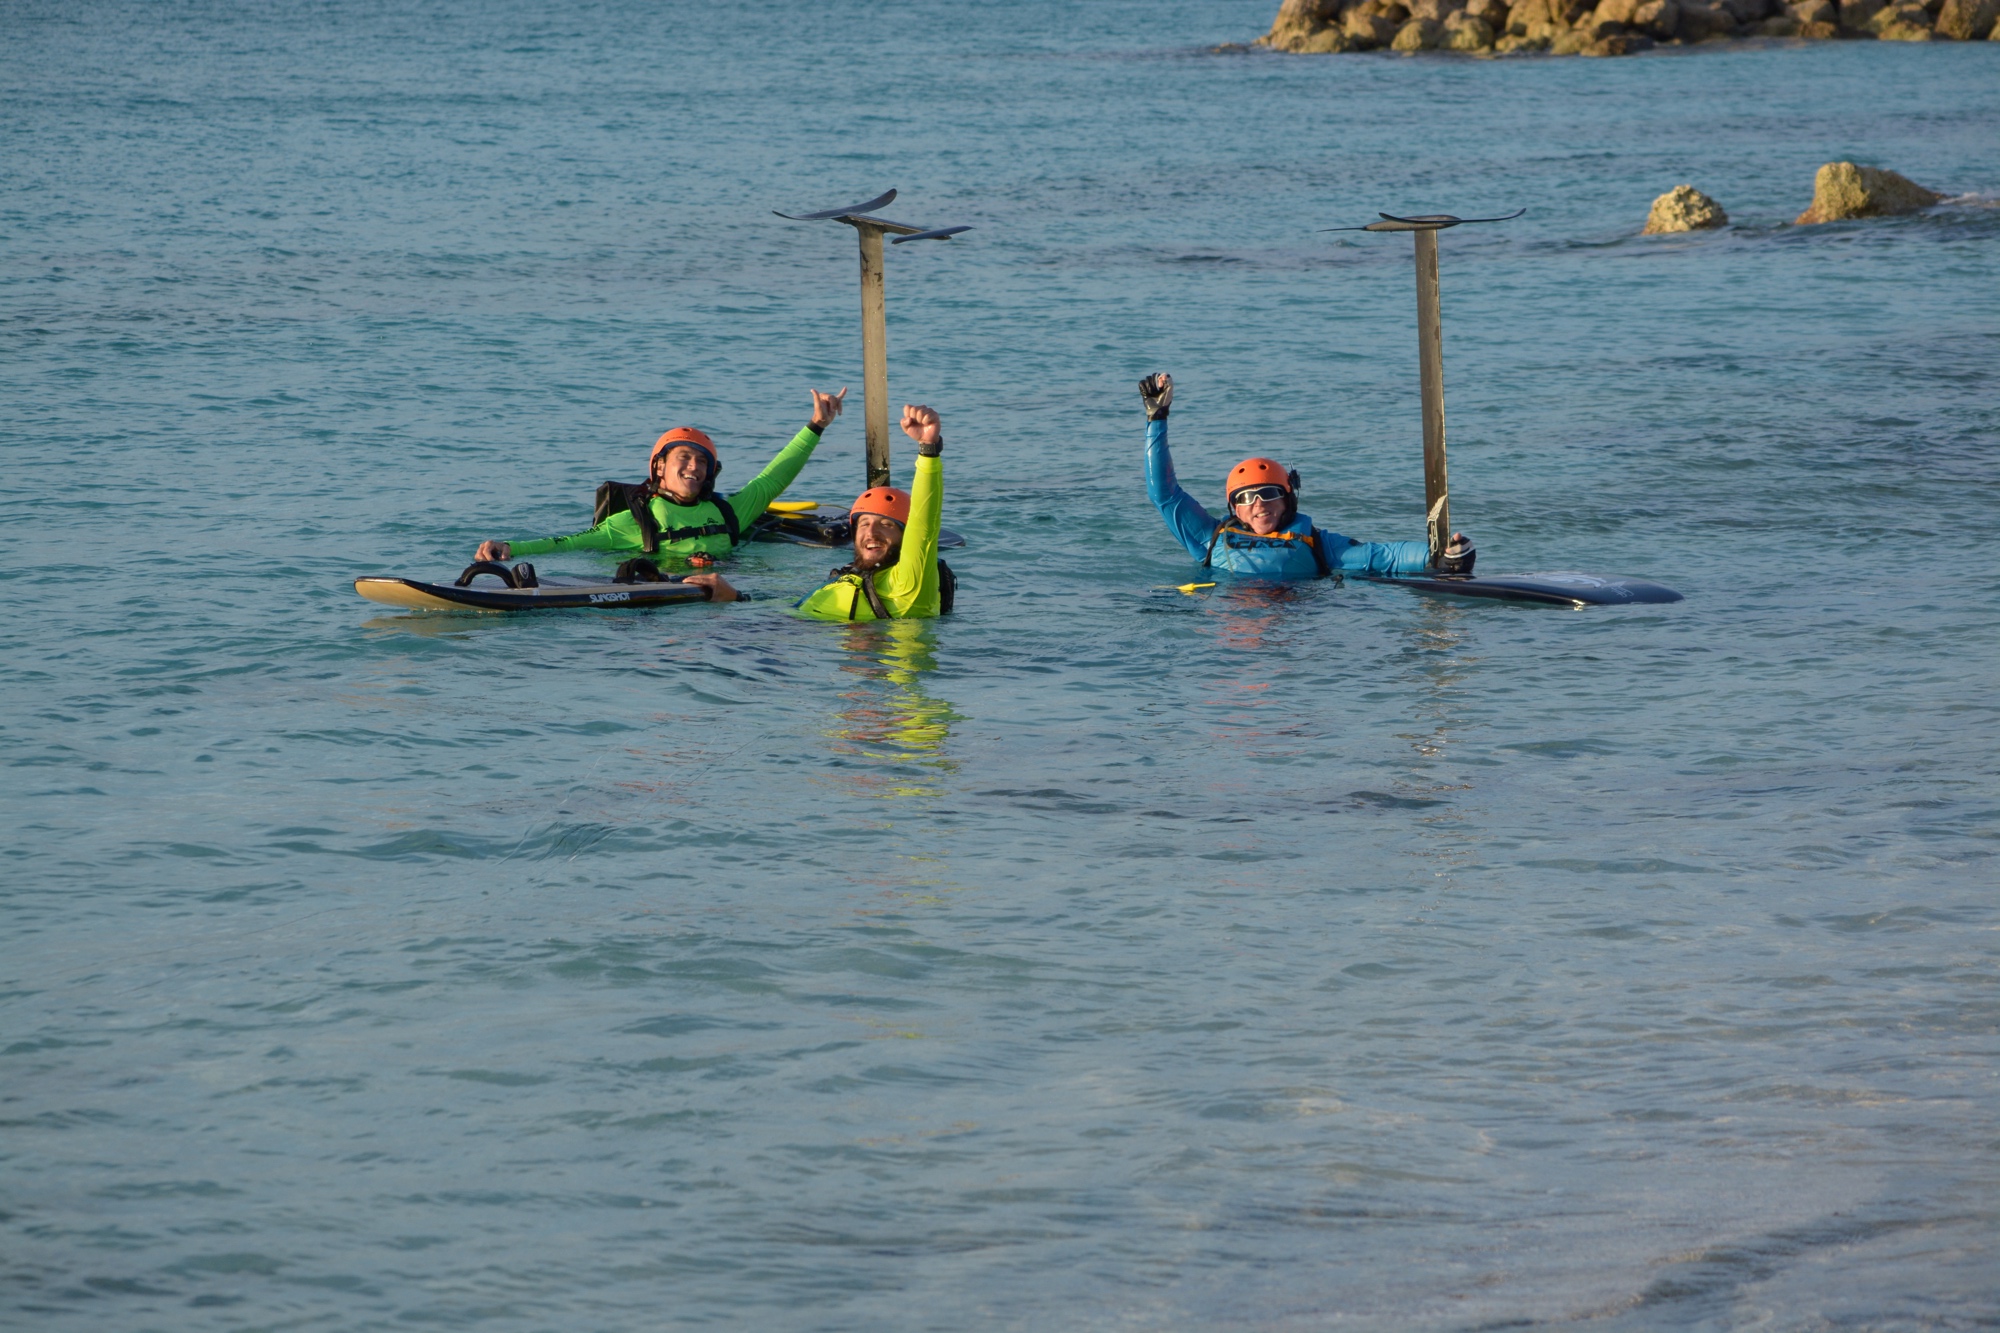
point(826, 406)
point(1157, 392)
point(921, 425)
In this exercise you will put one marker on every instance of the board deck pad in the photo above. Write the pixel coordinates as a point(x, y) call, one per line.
point(557, 592)
point(1563, 588)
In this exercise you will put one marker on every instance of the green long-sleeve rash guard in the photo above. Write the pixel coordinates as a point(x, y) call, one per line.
point(620, 531)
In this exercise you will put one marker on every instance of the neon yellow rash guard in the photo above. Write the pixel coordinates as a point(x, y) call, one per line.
point(908, 588)
point(620, 531)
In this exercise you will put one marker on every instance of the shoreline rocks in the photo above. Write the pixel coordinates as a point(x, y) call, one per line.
point(1842, 190)
point(1684, 208)
point(1611, 27)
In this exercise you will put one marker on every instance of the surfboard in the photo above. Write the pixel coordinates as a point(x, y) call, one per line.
point(1563, 588)
point(554, 592)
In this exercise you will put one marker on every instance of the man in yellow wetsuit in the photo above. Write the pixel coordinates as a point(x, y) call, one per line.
point(895, 572)
point(678, 514)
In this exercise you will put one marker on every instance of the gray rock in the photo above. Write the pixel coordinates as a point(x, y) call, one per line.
point(1703, 22)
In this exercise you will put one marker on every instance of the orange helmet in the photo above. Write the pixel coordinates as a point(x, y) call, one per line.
point(687, 435)
point(1260, 472)
point(884, 500)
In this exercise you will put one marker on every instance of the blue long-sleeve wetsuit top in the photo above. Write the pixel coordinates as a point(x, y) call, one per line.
point(1284, 554)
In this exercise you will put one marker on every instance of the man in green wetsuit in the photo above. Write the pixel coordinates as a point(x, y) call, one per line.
point(895, 571)
point(679, 503)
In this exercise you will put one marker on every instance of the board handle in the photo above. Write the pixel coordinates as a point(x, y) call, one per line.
point(493, 567)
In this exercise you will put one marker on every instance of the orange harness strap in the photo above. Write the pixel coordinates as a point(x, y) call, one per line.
point(1310, 537)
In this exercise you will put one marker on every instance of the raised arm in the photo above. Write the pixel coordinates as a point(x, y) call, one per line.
point(1191, 525)
point(781, 471)
point(911, 587)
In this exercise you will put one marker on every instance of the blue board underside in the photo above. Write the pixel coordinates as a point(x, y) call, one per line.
point(1564, 588)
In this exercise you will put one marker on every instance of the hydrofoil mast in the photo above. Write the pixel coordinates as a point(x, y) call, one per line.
point(874, 314)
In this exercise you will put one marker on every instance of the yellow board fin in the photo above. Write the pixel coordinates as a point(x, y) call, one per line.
point(791, 506)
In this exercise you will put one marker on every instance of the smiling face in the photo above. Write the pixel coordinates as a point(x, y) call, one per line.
point(1262, 517)
point(680, 471)
point(875, 539)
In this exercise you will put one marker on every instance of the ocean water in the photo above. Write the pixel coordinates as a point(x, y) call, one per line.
point(1100, 956)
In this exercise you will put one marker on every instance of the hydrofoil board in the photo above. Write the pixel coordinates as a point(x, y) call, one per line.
point(1558, 589)
point(507, 593)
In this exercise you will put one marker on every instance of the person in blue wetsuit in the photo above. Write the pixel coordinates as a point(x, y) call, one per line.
point(1264, 535)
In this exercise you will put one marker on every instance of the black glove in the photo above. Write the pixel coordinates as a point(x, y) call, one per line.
point(1456, 560)
point(1157, 391)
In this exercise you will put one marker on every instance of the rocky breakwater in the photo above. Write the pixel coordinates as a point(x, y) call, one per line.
point(1611, 27)
point(1841, 190)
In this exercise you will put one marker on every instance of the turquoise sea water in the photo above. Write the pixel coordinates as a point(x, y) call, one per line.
point(1100, 957)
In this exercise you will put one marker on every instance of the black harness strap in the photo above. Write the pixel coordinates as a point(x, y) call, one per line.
point(947, 589)
point(874, 600)
point(1320, 557)
point(729, 523)
point(867, 589)
point(705, 530)
point(611, 495)
point(641, 505)
point(638, 500)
